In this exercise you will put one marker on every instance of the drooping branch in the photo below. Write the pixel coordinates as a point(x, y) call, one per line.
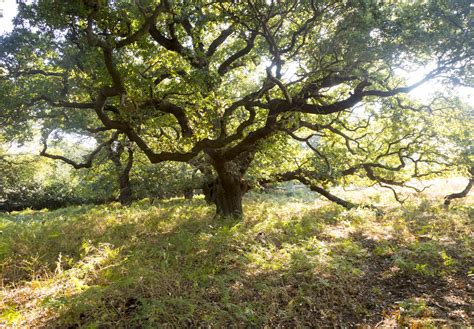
point(373, 170)
point(302, 177)
point(87, 163)
point(450, 197)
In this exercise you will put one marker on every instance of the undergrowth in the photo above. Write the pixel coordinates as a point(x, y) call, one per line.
point(289, 262)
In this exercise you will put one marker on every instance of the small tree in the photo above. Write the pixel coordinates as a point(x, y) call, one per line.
point(114, 149)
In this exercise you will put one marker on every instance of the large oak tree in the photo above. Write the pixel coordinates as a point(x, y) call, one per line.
point(220, 82)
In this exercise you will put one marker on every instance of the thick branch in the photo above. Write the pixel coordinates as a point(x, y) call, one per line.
point(60, 103)
point(173, 44)
point(282, 105)
point(226, 65)
point(175, 110)
point(463, 193)
point(219, 41)
point(37, 71)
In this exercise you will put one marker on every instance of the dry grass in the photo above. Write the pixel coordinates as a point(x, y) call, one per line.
point(292, 261)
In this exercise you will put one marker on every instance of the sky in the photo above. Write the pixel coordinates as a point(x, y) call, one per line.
point(8, 7)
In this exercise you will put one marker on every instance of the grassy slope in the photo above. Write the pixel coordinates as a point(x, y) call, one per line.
point(289, 262)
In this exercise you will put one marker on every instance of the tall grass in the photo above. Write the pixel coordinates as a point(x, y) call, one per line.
point(292, 261)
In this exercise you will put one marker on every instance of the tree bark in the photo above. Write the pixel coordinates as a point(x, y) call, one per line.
point(463, 193)
point(125, 196)
point(227, 195)
point(227, 190)
point(188, 193)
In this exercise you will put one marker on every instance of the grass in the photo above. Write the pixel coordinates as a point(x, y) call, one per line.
point(295, 261)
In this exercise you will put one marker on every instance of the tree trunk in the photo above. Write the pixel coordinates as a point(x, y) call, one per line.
point(188, 193)
point(227, 190)
point(207, 190)
point(227, 197)
point(125, 196)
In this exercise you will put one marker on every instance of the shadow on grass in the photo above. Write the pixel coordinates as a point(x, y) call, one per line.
point(175, 265)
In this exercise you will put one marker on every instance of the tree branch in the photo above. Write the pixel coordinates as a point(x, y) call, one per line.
point(88, 160)
point(226, 65)
point(450, 197)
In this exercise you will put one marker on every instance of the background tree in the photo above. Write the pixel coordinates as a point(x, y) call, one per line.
point(165, 180)
point(28, 181)
point(213, 79)
point(114, 149)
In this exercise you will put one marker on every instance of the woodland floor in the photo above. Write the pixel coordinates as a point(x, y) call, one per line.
point(294, 260)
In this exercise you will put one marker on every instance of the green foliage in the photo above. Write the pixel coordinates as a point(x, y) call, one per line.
point(237, 92)
point(29, 181)
point(24, 183)
point(164, 181)
point(425, 259)
point(289, 262)
point(413, 308)
point(221, 81)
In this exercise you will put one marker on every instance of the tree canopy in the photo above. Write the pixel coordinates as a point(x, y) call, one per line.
point(234, 87)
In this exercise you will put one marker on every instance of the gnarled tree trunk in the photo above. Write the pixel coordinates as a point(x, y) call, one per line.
point(227, 195)
point(227, 190)
point(125, 193)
